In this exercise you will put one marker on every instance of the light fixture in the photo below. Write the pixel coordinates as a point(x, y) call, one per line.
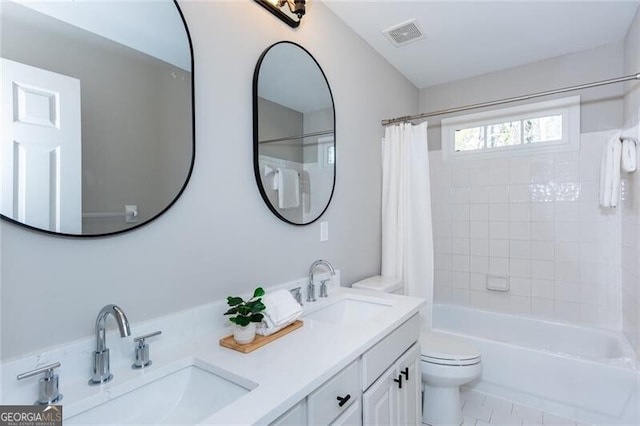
point(296, 7)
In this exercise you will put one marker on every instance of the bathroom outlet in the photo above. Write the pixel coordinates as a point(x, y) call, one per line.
point(324, 231)
point(130, 213)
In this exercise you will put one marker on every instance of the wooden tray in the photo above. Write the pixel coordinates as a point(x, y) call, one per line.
point(259, 341)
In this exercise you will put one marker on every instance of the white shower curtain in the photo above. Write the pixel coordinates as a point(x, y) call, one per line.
point(407, 233)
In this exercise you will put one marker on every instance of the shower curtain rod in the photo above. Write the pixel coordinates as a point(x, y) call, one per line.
point(508, 100)
point(296, 137)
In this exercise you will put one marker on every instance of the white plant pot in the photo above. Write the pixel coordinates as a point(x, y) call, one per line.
point(244, 335)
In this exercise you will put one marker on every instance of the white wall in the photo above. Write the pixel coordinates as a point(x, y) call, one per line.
point(536, 220)
point(631, 198)
point(601, 107)
point(219, 238)
point(632, 66)
point(630, 252)
point(533, 218)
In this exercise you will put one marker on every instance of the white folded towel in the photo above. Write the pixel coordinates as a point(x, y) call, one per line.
point(610, 173)
point(281, 309)
point(629, 156)
point(264, 329)
point(288, 188)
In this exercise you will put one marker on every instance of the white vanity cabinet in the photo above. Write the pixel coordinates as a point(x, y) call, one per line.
point(296, 416)
point(394, 399)
point(336, 402)
point(410, 395)
point(333, 398)
point(351, 417)
point(368, 390)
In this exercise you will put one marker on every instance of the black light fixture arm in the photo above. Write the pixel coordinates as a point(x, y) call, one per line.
point(297, 7)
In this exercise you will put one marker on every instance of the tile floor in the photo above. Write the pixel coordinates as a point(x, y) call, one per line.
point(480, 409)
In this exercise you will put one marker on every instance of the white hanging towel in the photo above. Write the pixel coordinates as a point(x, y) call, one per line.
point(288, 188)
point(629, 156)
point(305, 189)
point(610, 173)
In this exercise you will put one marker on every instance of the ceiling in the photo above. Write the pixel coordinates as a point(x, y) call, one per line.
point(465, 39)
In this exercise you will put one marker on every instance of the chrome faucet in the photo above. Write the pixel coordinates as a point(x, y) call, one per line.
point(101, 369)
point(311, 290)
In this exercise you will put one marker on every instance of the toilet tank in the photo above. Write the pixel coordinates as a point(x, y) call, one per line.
point(379, 283)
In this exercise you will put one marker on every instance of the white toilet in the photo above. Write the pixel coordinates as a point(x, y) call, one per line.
point(446, 363)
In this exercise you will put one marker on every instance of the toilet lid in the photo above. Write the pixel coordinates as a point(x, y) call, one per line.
point(379, 283)
point(447, 350)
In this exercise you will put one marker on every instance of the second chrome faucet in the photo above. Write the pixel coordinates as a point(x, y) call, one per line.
point(101, 372)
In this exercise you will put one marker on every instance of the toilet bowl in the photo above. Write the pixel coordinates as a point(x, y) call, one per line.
point(446, 363)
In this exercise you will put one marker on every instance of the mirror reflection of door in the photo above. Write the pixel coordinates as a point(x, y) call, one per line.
point(134, 65)
point(41, 150)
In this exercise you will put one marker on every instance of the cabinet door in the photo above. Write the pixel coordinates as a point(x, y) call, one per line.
point(379, 405)
point(296, 416)
point(351, 417)
point(394, 399)
point(408, 368)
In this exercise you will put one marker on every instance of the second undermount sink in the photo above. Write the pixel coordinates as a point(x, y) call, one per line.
point(350, 310)
point(186, 394)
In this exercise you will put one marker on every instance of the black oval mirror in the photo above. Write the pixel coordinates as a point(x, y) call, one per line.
point(97, 117)
point(294, 155)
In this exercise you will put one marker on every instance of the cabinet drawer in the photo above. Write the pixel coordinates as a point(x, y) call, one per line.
point(296, 416)
point(323, 404)
point(351, 417)
point(377, 359)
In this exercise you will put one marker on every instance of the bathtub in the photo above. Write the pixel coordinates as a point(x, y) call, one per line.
point(586, 374)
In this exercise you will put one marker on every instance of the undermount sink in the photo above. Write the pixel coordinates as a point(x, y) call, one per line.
point(350, 311)
point(187, 394)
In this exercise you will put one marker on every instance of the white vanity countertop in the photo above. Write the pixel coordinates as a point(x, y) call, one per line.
point(285, 370)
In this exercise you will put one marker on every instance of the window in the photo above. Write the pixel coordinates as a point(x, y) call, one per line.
point(548, 126)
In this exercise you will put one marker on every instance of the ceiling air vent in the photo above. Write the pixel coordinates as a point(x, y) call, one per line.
point(404, 33)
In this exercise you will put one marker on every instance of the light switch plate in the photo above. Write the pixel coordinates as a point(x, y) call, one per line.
point(324, 231)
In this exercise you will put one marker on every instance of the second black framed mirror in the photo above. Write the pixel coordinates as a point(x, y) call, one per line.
point(293, 133)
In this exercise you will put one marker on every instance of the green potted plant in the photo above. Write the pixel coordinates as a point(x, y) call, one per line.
point(245, 315)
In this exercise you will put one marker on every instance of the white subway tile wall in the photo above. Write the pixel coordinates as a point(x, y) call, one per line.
point(630, 255)
point(536, 220)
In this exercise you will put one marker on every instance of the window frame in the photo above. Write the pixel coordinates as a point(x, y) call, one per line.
point(568, 107)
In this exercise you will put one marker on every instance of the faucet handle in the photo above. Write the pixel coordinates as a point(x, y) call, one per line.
point(142, 351)
point(49, 390)
point(141, 339)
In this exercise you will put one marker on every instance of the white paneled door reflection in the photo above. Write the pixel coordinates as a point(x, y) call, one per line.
point(40, 152)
